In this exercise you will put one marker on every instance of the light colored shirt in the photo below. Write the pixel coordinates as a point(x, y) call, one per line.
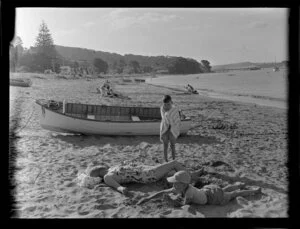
point(197, 196)
point(170, 118)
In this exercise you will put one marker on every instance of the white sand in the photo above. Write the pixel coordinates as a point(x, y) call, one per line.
point(47, 162)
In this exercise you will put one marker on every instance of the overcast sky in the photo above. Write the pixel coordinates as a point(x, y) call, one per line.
point(220, 36)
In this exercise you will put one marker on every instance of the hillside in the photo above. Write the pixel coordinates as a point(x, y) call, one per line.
point(242, 65)
point(233, 66)
point(82, 54)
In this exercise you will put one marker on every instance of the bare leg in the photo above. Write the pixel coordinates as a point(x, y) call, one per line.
point(166, 146)
point(164, 138)
point(231, 195)
point(163, 169)
point(172, 143)
point(173, 150)
point(236, 186)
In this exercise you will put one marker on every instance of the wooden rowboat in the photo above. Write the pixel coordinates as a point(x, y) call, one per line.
point(102, 120)
point(20, 82)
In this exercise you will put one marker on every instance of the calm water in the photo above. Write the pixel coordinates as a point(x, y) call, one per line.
point(263, 87)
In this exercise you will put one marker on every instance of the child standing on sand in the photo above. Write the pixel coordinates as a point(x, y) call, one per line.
point(170, 125)
point(209, 194)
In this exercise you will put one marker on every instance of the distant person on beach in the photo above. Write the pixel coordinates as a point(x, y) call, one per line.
point(169, 126)
point(107, 90)
point(208, 194)
point(190, 88)
point(122, 174)
point(104, 88)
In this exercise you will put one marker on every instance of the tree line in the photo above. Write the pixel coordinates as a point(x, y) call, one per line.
point(43, 56)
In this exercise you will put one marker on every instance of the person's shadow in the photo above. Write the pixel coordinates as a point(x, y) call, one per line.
point(82, 141)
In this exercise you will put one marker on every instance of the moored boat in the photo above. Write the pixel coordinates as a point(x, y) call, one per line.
point(20, 82)
point(102, 120)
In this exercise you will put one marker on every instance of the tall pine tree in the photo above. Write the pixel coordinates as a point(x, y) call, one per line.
point(15, 52)
point(45, 49)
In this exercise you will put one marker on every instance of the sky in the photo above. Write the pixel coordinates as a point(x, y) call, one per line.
point(219, 35)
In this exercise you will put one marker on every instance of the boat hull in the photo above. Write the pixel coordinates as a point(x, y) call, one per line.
point(58, 122)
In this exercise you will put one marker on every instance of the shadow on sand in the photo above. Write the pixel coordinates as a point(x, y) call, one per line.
point(142, 190)
point(248, 181)
point(100, 141)
point(221, 210)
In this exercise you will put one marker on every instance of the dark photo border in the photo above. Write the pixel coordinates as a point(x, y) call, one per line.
point(7, 20)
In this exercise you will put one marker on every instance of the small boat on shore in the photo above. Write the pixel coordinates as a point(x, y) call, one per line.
point(102, 120)
point(20, 82)
point(140, 80)
point(127, 80)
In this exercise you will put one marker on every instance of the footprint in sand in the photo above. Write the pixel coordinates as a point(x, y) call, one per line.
point(70, 184)
point(30, 209)
point(101, 201)
point(70, 211)
point(241, 213)
point(46, 209)
point(75, 191)
point(45, 144)
point(165, 213)
point(155, 159)
point(105, 207)
point(44, 198)
point(242, 201)
point(83, 212)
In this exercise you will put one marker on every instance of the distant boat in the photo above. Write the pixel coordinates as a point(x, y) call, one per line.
point(20, 82)
point(102, 120)
point(127, 80)
point(275, 68)
point(254, 68)
point(140, 80)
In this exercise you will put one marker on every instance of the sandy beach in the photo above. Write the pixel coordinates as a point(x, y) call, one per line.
point(240, 141)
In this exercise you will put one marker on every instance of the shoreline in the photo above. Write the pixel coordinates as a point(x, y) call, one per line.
point(214, 88)
point(249, 142)
point(239, 98)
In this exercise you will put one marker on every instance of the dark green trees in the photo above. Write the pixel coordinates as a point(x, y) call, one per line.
point(47, 57)
point(121, 66)
point(184, 66)
point(135, 66)
point(43, 55)
point(100, 65)
point(206, 65)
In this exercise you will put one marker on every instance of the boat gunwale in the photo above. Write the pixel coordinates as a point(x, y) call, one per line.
point(112, 121)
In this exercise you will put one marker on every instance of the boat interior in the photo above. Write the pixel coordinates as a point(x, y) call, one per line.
point(107, 113)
